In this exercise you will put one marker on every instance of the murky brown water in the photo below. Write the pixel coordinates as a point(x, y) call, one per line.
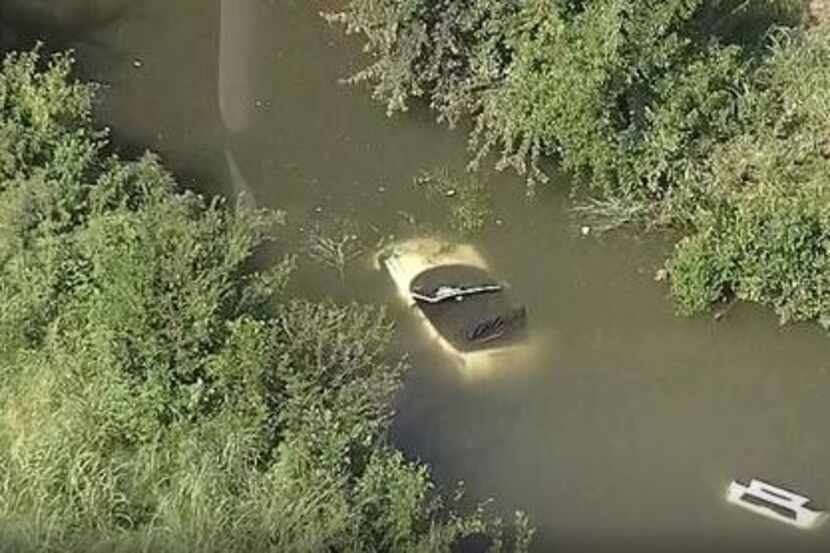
point(627, 428)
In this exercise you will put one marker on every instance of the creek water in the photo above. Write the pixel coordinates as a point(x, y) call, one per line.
point(626, 427)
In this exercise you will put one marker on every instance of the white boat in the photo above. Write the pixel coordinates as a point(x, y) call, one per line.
point(776, 503)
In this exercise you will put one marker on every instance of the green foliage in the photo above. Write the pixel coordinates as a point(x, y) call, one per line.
point(581, 81)
point(445, 50)
point(156, 392)
point(710, 117)
point(765, 234)
point(465, 201)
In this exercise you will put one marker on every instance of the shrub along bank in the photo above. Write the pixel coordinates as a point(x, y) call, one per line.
point(156, 393)
point(710, 117)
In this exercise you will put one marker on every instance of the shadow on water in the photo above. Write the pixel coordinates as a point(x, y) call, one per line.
point(747, 23)
point(26, 21)
point(624, 431)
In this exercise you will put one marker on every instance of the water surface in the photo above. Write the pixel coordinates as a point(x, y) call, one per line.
point(626, 428)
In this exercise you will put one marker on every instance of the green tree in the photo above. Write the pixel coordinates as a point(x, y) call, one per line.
point(764, 234)
point(707, 116)
point(580, 81)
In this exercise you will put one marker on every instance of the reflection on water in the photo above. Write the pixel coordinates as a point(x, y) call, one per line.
point(625, 430)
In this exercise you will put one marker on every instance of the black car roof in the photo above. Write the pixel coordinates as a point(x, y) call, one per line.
point(470, 321)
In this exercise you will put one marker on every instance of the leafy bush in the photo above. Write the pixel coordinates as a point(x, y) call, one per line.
point(710, 117)
point(601, 85)
point(156, 393)
point(765, 235)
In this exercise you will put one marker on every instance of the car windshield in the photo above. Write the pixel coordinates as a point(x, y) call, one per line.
point(449, 282)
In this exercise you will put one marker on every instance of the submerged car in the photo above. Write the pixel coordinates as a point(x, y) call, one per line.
point(470, 313)
point(775, 502)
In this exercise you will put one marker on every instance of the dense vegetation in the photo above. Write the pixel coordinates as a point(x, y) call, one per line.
point(708, 116)
point(159, 393)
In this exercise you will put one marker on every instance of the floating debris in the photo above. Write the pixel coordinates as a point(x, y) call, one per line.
point(423, 179)
point(661, 275)
point(776, 503)
point(408, 217)
point(585, 230)
point(137, 63)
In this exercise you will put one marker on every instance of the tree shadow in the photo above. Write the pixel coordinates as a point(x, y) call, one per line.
point(64, 25)
point(747, 23)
